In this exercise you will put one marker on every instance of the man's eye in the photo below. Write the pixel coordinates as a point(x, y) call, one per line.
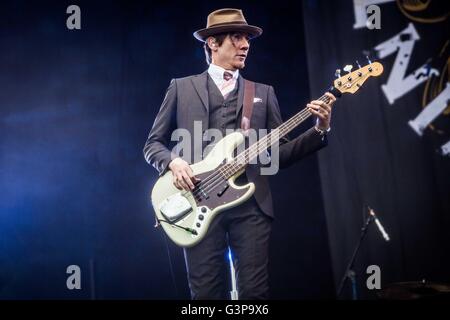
point(239, 37)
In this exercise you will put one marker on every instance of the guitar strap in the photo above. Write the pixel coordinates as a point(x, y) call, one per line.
point(249, 96)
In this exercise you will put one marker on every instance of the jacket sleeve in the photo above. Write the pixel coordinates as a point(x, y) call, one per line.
point(293, 150)
point(156, 150)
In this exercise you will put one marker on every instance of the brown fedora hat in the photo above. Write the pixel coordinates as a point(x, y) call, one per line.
point(226, 20)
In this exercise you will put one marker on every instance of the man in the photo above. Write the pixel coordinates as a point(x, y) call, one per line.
point(215, 98)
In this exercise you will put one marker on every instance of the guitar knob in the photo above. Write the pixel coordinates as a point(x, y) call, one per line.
point(203, 209)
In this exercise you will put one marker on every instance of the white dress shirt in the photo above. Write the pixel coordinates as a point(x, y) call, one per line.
point(225, 86)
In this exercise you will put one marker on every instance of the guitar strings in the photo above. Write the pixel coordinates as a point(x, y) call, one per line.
point(215, 179)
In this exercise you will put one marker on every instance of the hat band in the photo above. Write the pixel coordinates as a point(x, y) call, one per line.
point(227, 23)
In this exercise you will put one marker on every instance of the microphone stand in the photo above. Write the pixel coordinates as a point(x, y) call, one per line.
point(349, 273)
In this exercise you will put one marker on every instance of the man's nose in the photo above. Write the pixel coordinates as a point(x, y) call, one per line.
point(245, 44)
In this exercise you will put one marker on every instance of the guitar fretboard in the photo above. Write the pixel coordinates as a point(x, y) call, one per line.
point(243, 159)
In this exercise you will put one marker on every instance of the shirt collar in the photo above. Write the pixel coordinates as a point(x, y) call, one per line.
point(216, 72)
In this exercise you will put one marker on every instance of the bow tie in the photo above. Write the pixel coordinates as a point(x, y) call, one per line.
point(227, 76)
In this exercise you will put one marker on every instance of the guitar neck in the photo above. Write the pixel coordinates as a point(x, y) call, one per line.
point(349, 83)
point(244, 158)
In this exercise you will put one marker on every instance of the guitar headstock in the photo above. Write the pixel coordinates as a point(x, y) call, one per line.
point(352, 81)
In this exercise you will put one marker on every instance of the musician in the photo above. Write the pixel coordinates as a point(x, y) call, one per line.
point(215, 97)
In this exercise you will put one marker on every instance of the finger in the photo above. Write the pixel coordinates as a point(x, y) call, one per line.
point(327, 108)
point(183, 185)
point(318, 114)
point(318, 102)
point(187, 180)
point(175, 183)
point(331, 96)
point(189, 172)
point(180, 181)
point(324, 110)
point(316, 110)
point(194, 179)
point(313, 106)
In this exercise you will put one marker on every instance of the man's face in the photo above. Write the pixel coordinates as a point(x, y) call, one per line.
point(232, 53)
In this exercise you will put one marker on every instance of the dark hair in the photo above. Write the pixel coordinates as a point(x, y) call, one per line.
point(219, 39)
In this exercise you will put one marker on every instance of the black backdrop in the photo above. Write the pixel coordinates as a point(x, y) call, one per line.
point(76, 107)
point(374, 157)
point(75, 110)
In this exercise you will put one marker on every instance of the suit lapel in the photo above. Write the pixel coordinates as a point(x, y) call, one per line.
point(240, 99)
point(201, 86)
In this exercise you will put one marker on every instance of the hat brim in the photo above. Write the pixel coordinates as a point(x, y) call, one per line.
point(203, 34)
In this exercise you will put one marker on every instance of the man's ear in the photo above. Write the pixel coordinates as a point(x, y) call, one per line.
point(212, 44)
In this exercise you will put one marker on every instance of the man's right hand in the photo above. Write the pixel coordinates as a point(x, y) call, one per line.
point(183, 177)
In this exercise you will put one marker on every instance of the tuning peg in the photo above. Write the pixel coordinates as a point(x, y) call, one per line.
point(370, 62)
point(348, 68)
point(337, 74)
point(359, 67)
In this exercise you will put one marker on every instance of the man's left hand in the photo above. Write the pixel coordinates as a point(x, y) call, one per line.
point(322, 110)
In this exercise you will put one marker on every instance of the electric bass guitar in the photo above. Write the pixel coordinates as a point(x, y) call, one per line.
point(186, 215)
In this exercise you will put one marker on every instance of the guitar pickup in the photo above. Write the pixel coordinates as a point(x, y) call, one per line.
point(224, 188)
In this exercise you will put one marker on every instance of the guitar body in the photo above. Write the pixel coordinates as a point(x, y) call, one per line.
point(186, 217)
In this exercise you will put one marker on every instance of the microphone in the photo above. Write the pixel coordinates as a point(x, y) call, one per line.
point(378, 223)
